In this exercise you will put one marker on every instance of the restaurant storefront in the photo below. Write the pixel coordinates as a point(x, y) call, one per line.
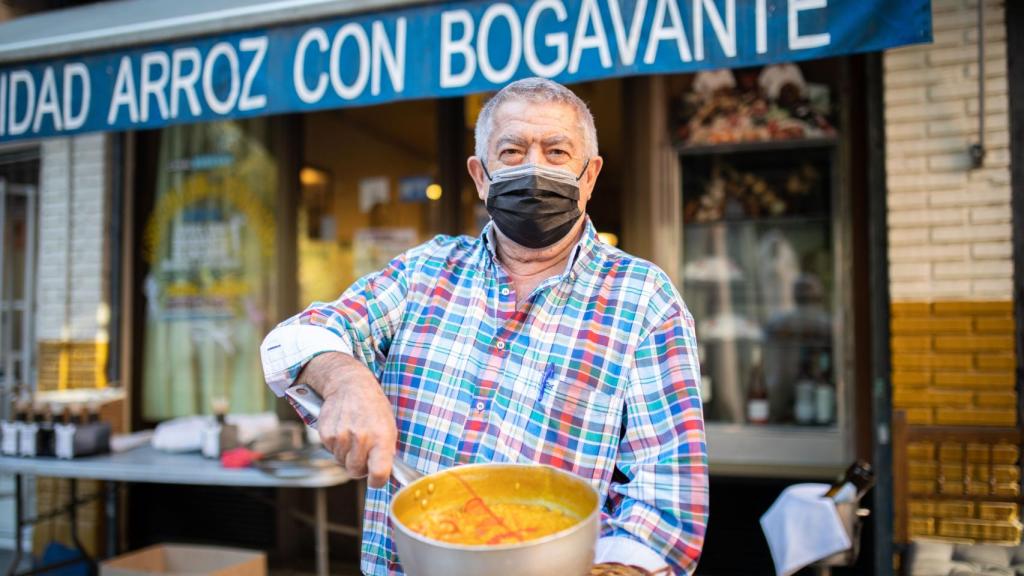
point(243, 161)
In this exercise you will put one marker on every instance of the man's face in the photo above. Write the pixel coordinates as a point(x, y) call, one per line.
point(543, 133)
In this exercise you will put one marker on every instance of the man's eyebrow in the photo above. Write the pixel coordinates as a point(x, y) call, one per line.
point(511, 139)
point(558, 139)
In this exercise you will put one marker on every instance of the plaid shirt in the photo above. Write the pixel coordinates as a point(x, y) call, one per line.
point(597, 371)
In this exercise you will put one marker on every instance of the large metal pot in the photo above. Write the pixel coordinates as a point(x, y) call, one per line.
point(569, 552)
point(566, 553)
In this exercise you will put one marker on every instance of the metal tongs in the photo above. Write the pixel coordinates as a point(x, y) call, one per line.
point(307, 398)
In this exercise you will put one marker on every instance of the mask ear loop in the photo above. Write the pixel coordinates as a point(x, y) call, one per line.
point(582, 172)
point(483, 164)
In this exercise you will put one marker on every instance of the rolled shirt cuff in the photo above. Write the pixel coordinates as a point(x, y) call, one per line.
point(628, 551)
point(287, 349)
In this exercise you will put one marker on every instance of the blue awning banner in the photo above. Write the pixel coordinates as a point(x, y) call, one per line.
point(434, 50)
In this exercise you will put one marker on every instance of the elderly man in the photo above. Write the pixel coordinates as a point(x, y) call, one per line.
point(534, 342)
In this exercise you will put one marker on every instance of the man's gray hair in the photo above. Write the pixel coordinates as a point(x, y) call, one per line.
point(535, 90)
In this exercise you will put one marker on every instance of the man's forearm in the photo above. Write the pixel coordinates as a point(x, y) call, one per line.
point(327, 370)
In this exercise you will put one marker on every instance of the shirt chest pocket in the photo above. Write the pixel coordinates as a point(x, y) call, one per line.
point(550, 419)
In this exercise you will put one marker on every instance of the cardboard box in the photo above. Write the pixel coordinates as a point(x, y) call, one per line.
point(180, 560)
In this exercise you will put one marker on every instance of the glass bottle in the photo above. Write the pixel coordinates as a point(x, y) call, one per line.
point(757, 392)
point(803, 406)
point(824, 392)
point(855, 483)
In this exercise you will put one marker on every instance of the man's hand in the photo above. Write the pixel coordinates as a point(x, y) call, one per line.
point(356, 422)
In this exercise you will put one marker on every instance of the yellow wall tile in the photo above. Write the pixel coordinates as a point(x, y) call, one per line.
point(972, 343)
point(925, 360)
point(1004, 511)
point(1004, 379)
point(902, 343)
point(910, 309)
point(921, 487)
point(996, 399)
point(954, 509)
point(920, 416)
point(975, 417)
point(921, 508)
point(1005, 325)
point(923, 470)
point(996, 307)
point(1006, 489)
point(996, 361)
point(921, 451)
point(1005, 454)
point(921, 526)
point(905, 378)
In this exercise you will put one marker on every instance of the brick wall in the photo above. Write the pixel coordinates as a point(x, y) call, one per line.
point(949, 225)
point(951, 273)
point(953, 362)
point(71, 284)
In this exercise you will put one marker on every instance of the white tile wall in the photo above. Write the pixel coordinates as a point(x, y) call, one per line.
point(949, 224)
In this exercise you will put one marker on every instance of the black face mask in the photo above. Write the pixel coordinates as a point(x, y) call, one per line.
point(534, 206)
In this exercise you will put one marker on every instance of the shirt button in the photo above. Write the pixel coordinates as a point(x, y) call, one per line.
point(505, 291)
point(480, 406)
point(500, 345)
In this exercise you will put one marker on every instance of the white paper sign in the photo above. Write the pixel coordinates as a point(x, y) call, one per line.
point(374, 190)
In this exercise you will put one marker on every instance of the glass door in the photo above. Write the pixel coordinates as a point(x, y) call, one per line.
point(209, 246)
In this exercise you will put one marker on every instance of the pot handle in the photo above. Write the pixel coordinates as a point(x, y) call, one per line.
point(403, 472)
point(306, 398)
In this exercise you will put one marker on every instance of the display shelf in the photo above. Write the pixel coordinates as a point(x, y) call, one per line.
point(755, 146)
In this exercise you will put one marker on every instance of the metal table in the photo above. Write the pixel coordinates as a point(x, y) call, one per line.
point(147, 465)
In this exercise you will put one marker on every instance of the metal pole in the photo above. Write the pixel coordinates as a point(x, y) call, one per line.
point(113, 522)
point(28, 292)
point(19, 513)
point(977, 151)
point(6, 383)
point(321, 532)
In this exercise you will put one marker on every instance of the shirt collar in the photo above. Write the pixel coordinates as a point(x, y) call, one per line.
point(584, 253)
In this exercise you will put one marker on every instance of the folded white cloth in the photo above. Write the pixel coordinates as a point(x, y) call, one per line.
point(185, 434)
point(802, 527)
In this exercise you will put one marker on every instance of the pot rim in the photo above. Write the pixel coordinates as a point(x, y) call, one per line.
point(496, 547)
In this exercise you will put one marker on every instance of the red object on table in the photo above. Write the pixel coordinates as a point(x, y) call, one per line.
point(239, 458)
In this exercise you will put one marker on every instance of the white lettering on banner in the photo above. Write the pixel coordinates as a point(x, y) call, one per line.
point(590, 15)
point(3, 104)
point(185, 83)
point(557, 40)
point(761, 26)
point(388, 56)
point(660, 32)
point(724, 31)
point(451, 47)
point(356, 32)
point(306, 94)
point(48, 103)
point(150, 87)
point(483, 55)
point(226, 50)
point(24, 78)
point(796, 40)
point(250, 101)
point(124, 93)
point(74, 70)
point(628, 45)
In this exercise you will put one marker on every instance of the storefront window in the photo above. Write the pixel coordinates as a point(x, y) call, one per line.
point(370, 190)
point(209, 291)
point(761, 230)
